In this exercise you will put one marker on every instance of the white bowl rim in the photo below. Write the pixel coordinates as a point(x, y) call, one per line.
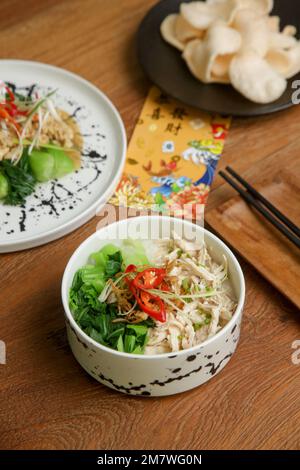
point(220, 333)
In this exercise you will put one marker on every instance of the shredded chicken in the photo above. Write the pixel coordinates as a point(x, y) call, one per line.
point(203, 303)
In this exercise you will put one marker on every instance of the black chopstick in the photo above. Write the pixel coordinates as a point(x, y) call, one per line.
point(253, 202)
point(265, 202)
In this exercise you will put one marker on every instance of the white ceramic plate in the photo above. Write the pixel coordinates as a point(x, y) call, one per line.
point(58, 207)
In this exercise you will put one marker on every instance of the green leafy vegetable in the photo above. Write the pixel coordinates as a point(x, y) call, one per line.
point(140, 330)
point(17, 181)
point(94, 334)
point(100, 257)
point(63, 164)
point(50, 163)
point(42, 165)
point(120, 344)
point(93, 275)
point(116, 333)
point(114, 264)
point(101, 321)
point(138, 350)
point(21, 182)
point(129, 343)
point(133, 252)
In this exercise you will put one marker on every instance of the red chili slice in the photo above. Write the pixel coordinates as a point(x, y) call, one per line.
point(150, 304)
point(131, 268)
point(11, 108)
point(153, 306)
point(150, 278)
point(5, 115)
point(10, 93)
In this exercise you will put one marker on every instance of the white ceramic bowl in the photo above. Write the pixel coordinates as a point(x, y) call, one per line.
point(163, 374)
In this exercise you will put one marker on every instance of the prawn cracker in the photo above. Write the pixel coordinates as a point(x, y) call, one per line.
point(172, 157)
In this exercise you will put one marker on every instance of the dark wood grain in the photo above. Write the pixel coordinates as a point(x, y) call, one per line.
point(46, 400)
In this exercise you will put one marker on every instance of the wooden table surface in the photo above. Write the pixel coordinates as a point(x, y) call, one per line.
point(46, 400)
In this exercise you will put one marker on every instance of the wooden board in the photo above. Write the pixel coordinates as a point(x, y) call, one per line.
point(46, 400)
point(277, 177)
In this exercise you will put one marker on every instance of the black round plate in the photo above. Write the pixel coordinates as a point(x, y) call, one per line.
point(165, 67)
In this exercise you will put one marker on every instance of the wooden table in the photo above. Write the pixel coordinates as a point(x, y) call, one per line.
point(46, 400)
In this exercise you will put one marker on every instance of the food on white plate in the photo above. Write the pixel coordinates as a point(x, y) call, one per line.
point(38, 143)
point(171, 300)
point(236, 42)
